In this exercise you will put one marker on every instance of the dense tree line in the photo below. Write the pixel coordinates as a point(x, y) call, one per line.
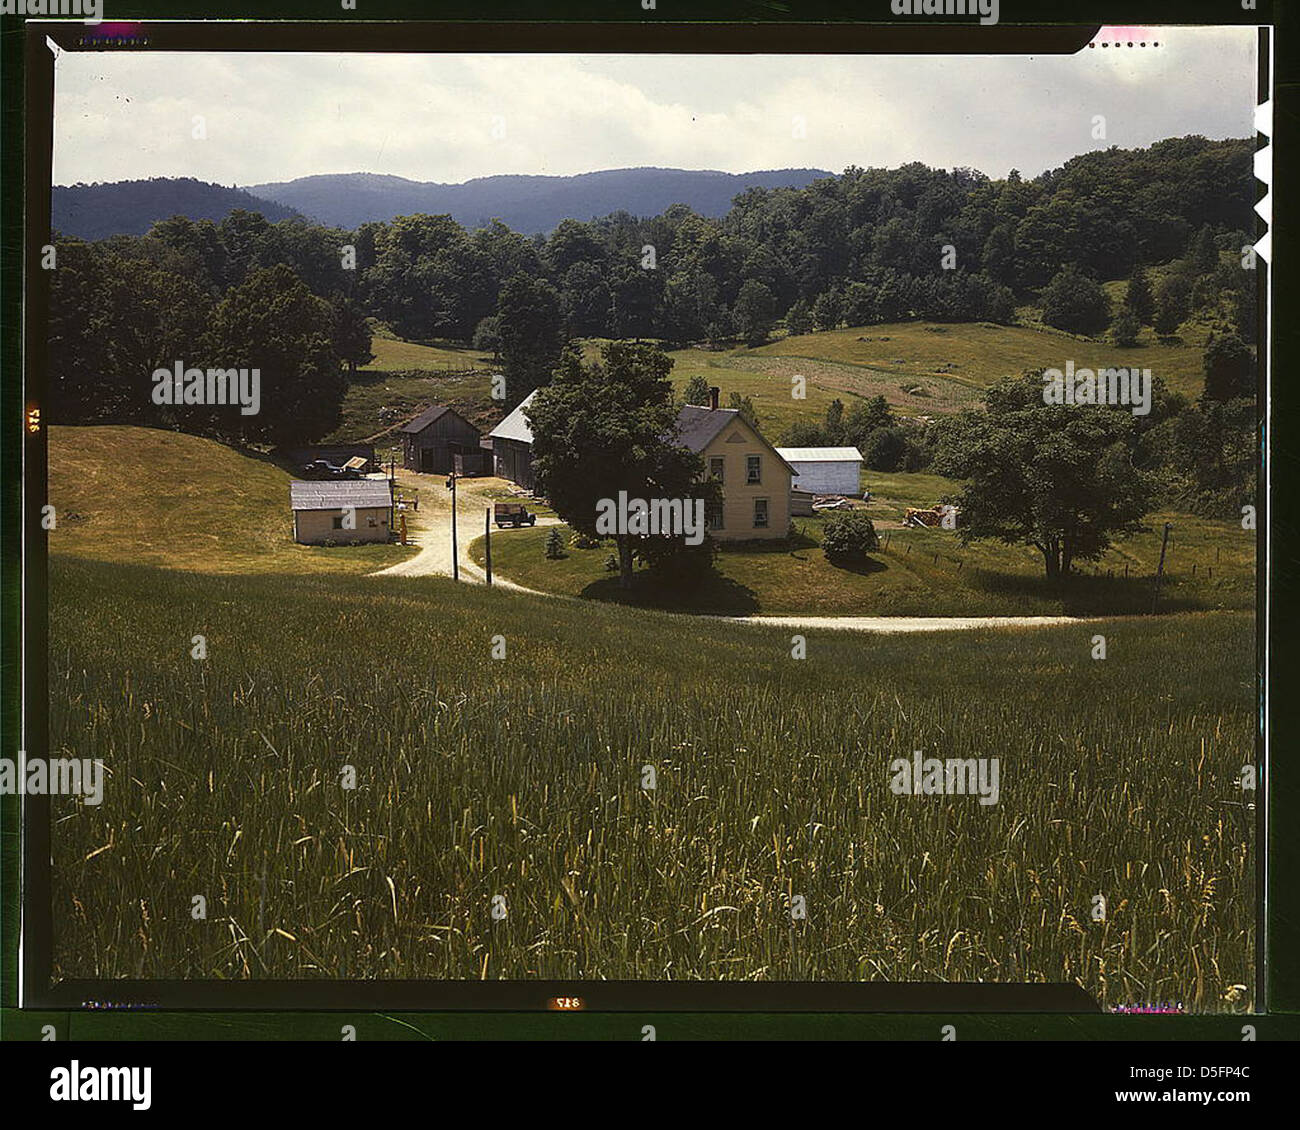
point(871, 245)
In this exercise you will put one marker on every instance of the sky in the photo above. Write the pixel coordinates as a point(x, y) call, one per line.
point(449, 118)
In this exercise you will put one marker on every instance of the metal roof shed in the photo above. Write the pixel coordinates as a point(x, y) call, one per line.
point(825, 470)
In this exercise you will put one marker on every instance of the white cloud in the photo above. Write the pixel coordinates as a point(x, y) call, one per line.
point(431, 117)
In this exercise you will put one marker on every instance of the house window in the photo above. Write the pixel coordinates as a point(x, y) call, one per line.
point(373, 522)
point(338, 521)
point(760, 513)
point(715, 516)
point(716, 463)
point(753, 469)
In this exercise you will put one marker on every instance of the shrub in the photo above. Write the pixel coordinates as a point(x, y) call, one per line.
point(554, 544)
point(696, 391)
point(1124, 330)
point(798, 319)
point(827, 310)
point(848, 537)
point(884, 449)
point(1075, 303)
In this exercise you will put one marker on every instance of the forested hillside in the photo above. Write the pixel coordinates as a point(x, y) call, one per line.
point(1115, 242)
point(96, 211)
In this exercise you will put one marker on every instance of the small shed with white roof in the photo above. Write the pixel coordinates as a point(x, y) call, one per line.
point(343, 513)
point(824, 470)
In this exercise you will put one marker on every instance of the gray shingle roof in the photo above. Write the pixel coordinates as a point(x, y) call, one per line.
point(697, 426)
point(424, 419)
point(361, 494)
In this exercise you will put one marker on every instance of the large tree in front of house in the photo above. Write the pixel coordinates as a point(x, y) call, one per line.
point(1059, 478)
point(606, 427)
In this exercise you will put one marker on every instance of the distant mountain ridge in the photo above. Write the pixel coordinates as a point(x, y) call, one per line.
point(131, 207)
point(528, 204)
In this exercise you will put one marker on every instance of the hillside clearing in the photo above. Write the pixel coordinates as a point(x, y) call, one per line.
point(152, 497)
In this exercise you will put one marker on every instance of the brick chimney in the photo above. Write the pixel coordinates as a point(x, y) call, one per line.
point(713, 398)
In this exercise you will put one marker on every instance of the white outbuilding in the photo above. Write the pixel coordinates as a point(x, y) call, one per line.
point(824, 470)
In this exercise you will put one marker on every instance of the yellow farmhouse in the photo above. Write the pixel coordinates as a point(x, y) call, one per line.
point(755, 480)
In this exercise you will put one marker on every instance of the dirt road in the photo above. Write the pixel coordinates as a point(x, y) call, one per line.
point(905, 623)
point(430, 527)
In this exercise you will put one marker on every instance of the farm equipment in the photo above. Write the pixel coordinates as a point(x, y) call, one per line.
point(512, 514)
point(933, 517)
point(831, 502)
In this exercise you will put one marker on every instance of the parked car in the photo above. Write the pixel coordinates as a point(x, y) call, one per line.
point(324, 469)
point(513, 514)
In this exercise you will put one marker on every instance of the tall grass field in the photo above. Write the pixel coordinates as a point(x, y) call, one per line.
point(523, 777)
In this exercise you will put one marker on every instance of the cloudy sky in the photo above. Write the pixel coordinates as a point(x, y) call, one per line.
point(452, 117)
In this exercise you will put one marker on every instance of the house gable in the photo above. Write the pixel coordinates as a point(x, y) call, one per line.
point(741, 431)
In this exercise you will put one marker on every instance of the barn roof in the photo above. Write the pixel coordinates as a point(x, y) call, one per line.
point(429, 416)
point(820, 454)
point(515, 426)
point(362, 494)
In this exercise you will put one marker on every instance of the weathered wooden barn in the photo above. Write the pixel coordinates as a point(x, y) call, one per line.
point(512, 446)
point(433, 440)
point(342, 513)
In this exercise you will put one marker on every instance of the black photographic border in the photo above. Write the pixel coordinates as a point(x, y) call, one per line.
point(629, 37)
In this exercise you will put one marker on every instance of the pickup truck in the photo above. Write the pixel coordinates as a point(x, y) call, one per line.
point(512, 514)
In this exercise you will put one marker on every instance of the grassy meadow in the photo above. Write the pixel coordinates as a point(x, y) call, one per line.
point(183, 502)
point(1210, 565)
point(404, 378)
point(920, 368)
point(522, 778)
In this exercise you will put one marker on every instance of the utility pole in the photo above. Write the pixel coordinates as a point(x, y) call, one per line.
point(487, 540)
point(455, 560)
point(1160, 569)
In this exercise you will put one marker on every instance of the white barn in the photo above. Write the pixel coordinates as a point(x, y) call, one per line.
point(824, 470)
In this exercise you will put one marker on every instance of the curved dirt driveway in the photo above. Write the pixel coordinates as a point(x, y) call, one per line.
point(907, 623)
point(431, 530)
